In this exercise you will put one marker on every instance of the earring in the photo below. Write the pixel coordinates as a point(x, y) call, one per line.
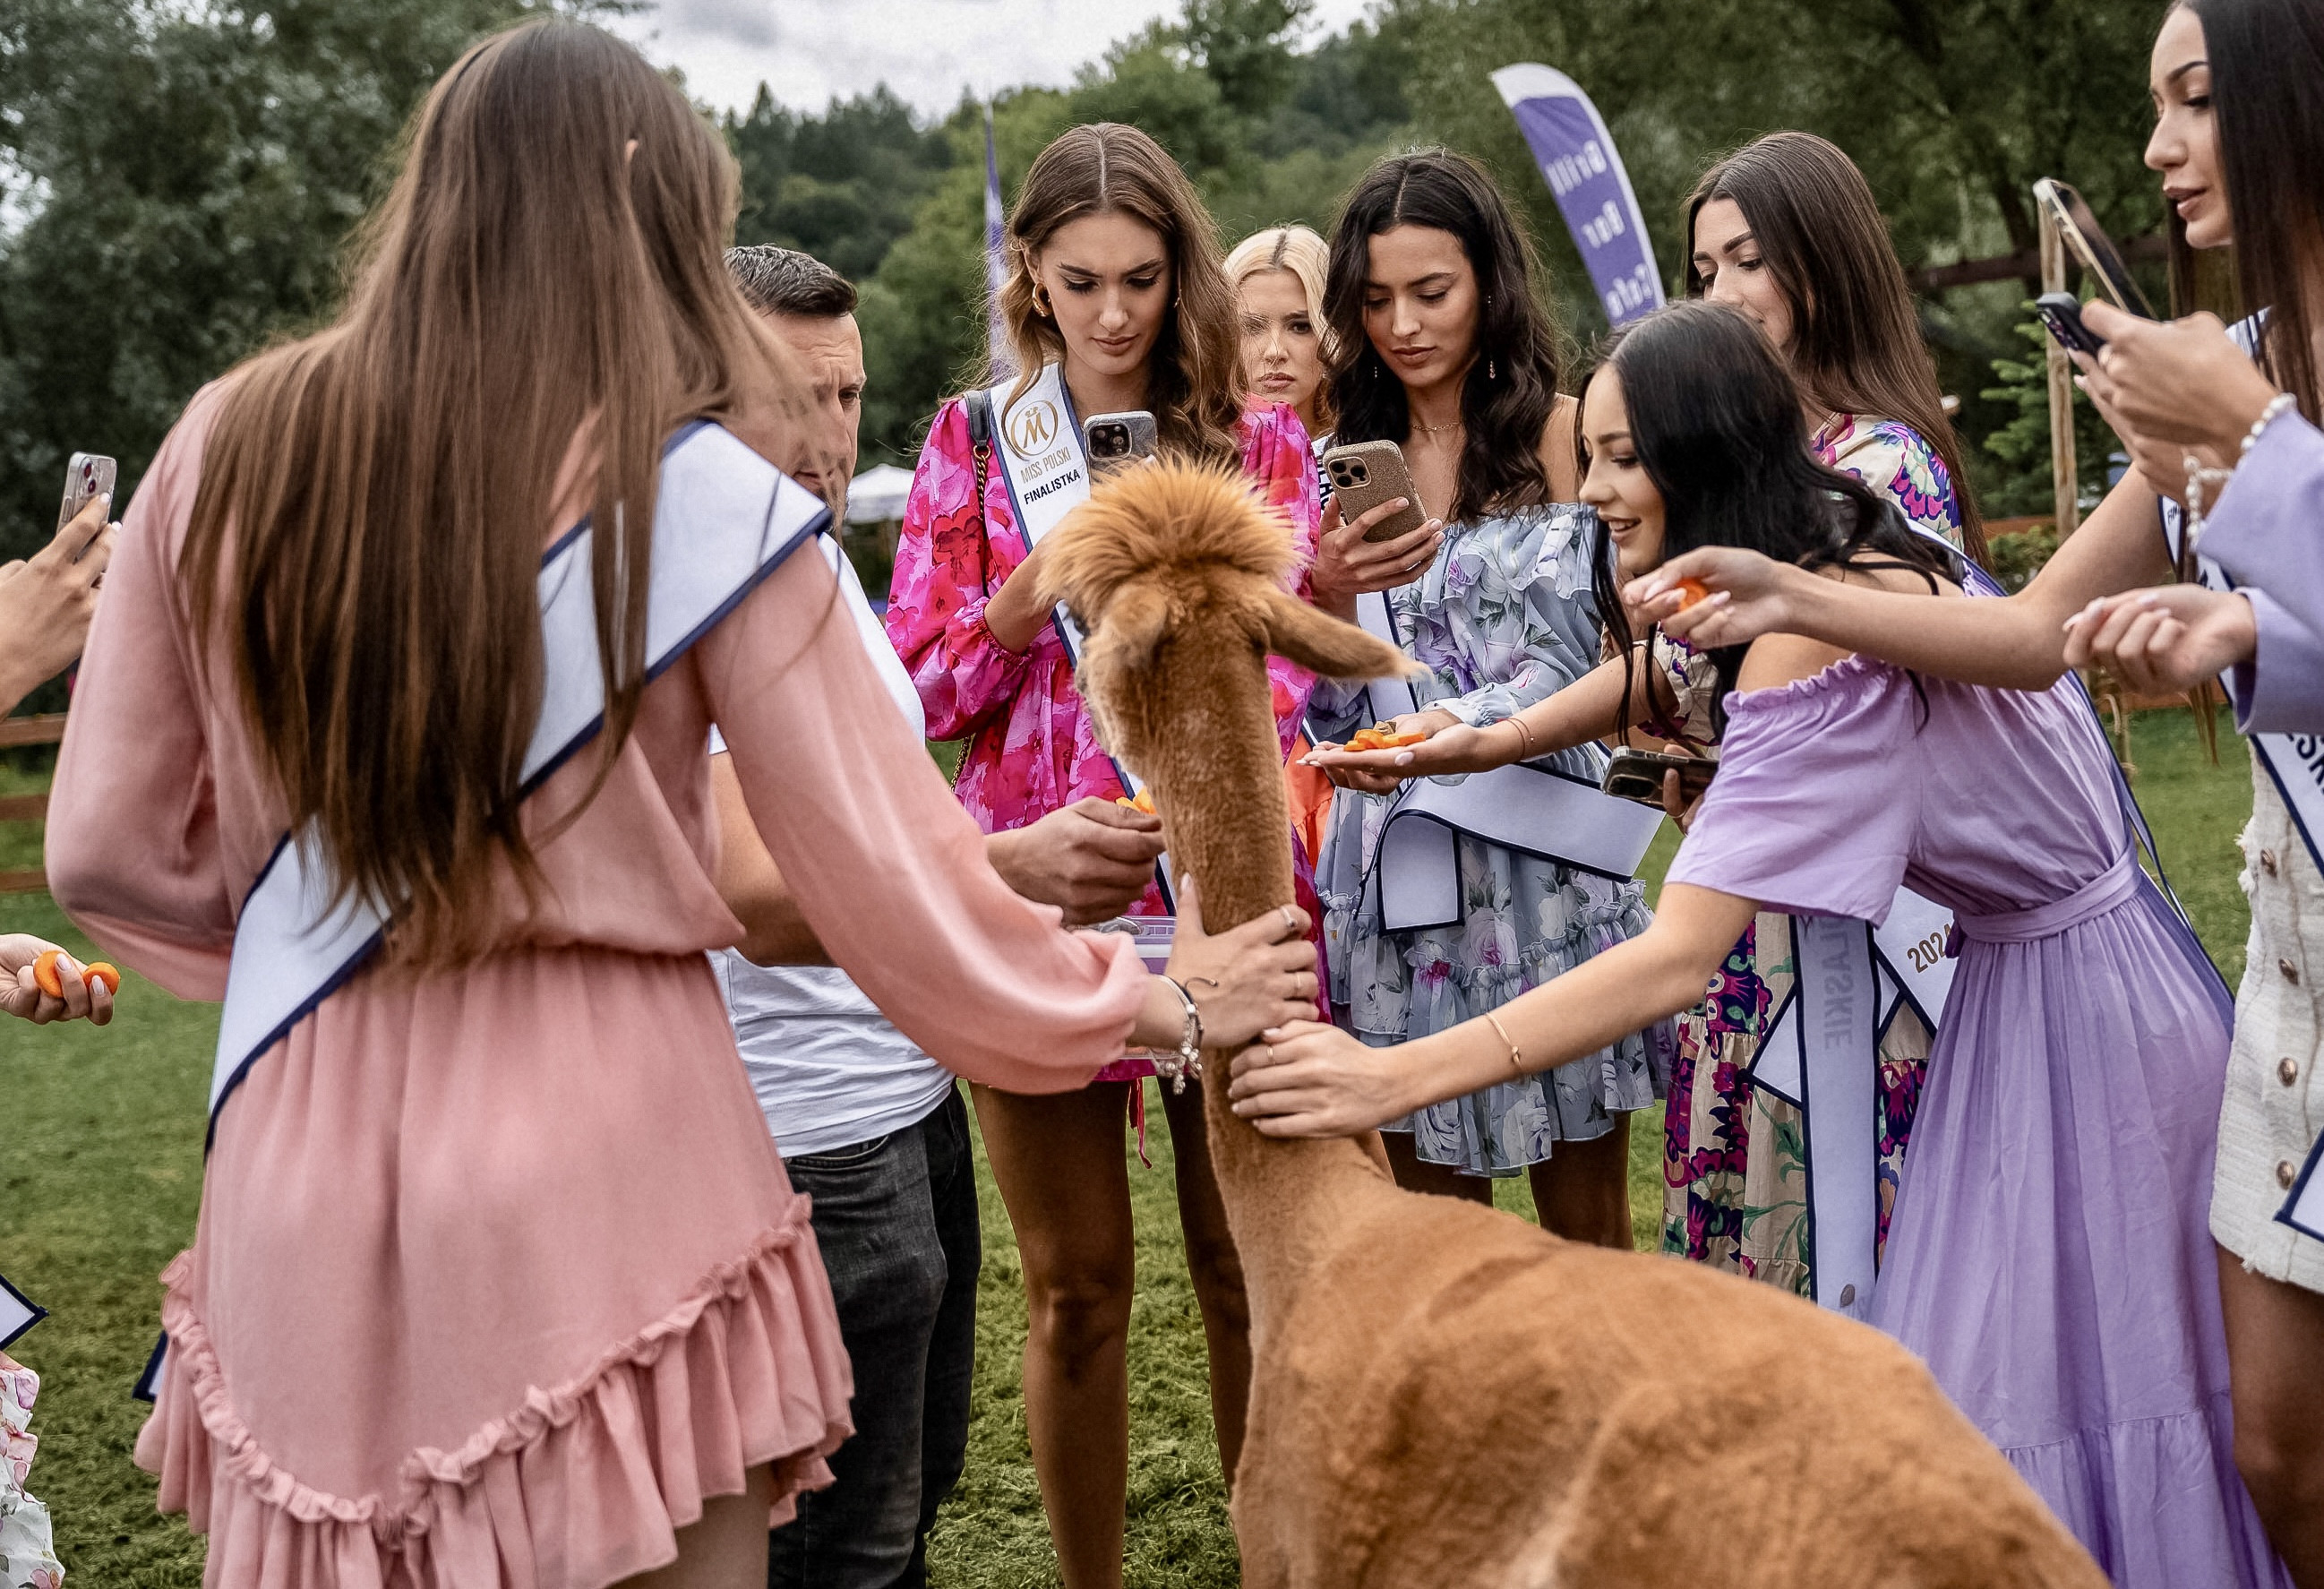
point(1040, 303)
point(1492, 371)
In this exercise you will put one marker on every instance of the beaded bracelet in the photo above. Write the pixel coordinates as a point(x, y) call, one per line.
point(2267, 416)
point(1188, 1059)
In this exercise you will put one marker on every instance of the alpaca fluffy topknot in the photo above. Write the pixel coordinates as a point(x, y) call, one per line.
point(1165, 520)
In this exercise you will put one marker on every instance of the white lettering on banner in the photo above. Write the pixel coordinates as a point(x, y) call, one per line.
point(1568, 172)
point(1606, 227)
point(1633, 292)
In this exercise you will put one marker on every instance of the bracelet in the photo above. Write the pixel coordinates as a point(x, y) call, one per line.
point(1524, 738)
point(1187, 1059)
point(2267, 416)
point(1517, 1059)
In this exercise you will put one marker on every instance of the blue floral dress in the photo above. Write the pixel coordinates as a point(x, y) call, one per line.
point(1501, 620)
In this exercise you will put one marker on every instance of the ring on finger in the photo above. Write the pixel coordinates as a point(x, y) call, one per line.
point(1290, 919)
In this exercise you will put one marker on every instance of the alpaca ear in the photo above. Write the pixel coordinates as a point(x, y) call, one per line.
point(1323, 644)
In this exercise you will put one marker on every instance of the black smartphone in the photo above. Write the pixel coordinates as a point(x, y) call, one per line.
point(2061, 313)
point(2086, 241)
point(1115, 440)
point(1638, 775)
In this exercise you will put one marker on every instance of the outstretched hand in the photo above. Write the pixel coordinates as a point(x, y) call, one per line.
point(1307, 1079)
point(81, 998)
point(1248, 978)
point(1717, 596)
point(2164, 640)
point(1451, 746)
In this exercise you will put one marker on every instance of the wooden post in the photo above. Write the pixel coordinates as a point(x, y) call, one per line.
point(2064, 478)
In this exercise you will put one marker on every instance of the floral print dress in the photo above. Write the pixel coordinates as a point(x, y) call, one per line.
point(1501, 619)
point(1031, 748)
point(1734, 1164)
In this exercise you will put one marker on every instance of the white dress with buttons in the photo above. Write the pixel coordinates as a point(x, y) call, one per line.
point(2275, 1102)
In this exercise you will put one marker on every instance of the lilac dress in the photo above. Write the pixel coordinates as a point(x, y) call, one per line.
point(2049, 1256)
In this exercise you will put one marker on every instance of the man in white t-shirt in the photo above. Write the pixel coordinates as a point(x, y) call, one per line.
point(870, 1128)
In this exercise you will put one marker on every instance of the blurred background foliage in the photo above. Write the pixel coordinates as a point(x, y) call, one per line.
point(177, 183)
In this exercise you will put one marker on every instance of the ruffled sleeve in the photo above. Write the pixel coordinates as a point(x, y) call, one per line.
point(948, 564)
point(2264, 533)
point(888, 868)
point(1816, 802)
point(1897, 461)
point(133, 845)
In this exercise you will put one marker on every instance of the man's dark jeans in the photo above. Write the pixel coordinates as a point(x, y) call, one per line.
point(896, 1219)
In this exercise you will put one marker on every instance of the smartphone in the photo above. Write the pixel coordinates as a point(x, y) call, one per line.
point(1113, 441)
point(2061, 313)
point(1366, 474)
point(2089, 243)
point(1638, 775)
point(86, 475)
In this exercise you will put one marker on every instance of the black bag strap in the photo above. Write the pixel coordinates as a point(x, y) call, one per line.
point(979, 404)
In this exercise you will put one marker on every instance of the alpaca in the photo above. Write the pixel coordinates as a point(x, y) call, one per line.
point(1415, 1416)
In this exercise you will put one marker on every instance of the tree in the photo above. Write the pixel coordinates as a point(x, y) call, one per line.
point(190, 174)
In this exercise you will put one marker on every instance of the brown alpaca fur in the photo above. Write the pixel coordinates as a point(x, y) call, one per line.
point(1442, 1394)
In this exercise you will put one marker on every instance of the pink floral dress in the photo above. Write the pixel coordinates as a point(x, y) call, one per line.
point(1031, 749)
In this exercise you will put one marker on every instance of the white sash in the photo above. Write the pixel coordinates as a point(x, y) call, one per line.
point(1048, 475)
point(724, 519)
point(1535, 810)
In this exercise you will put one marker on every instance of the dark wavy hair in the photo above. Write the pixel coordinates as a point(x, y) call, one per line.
point(2267, 59)
point(1856, 337)
point(1715, 419)
point(1511, 387)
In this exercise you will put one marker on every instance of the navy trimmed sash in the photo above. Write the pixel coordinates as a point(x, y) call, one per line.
point(724, 519)
point(1535, 810)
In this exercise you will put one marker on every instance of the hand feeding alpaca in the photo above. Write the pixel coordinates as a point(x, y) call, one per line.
point(1414, 1417)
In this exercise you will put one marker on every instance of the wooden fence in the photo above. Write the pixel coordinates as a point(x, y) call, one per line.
point(49, 728)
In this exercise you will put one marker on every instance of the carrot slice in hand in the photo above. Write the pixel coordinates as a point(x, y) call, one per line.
point(45, 973)
point(1144, 802)
point(1690, 591)
point(102, 971)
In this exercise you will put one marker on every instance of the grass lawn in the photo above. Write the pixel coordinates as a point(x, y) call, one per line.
point(100, 1175)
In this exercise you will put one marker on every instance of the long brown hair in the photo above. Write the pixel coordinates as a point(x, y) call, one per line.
point(374, 500)
point(1193, 381)
point(2266, 58)
point(1856, 341)
point(1511, 387)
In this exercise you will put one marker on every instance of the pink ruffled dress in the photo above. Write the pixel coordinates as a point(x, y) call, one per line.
point(1031, 748)
point(498, 1276)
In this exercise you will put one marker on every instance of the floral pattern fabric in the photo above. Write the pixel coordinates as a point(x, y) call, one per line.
point(28, 1556)
point(1501, 619)
point(1031, 747)
point(1734, 1159)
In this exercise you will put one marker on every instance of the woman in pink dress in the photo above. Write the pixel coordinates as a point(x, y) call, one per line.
point(498, 1281)
point(1114, 278)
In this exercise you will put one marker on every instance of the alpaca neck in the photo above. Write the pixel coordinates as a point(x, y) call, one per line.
point(1217, 767)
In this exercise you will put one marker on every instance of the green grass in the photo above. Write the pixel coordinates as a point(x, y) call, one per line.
point(99, 1177)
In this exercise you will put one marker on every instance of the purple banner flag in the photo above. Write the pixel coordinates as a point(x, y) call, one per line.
point(996, 263)
point(1578, 160)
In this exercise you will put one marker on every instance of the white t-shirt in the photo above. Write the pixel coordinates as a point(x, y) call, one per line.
point(828, 1069)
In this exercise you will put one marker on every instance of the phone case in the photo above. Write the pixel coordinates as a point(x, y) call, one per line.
point(1638, 775)
point(1143, 439)
point(1366, 474)
point(86, 475)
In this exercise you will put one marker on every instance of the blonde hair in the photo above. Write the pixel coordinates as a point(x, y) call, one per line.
point(1195, 377)
point(1299, 250)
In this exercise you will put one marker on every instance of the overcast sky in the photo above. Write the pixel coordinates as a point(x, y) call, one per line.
point(927, 50)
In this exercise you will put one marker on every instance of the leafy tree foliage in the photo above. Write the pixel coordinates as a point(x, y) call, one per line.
point(182, 180)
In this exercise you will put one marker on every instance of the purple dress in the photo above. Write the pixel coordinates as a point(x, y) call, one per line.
point(2049, 1257)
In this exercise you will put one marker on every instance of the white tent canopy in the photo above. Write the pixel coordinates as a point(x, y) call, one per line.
point(877, 496)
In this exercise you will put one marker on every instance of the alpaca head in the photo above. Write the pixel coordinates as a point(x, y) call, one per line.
point(1176, 551)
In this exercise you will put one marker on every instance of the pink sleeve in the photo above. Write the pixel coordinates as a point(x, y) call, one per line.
point(888, 869)
point(947, 565)
point(133, 848)
point(1281, 468)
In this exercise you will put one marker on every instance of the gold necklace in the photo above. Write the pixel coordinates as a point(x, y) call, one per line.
point(1439, 429)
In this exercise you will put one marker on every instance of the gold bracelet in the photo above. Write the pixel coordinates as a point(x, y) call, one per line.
point(1517, 1060)
point(1524, 738)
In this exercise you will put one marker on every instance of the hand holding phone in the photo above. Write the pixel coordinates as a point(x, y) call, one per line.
point(1638, 775)
point(2061, 314)
point(1364, 475)
point(86, 475)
